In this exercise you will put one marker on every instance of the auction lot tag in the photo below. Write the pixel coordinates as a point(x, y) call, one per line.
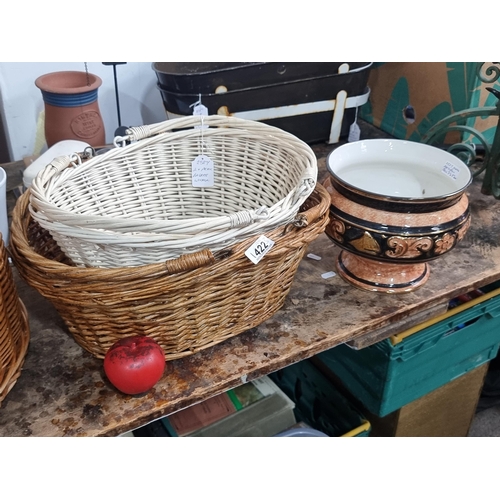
point(202, 171)
point(451, 170)
point(259, 248)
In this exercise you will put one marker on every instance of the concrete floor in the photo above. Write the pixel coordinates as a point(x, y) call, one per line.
point(486, 423)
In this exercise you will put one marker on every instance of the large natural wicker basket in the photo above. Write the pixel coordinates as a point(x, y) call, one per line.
point(136, 204)
point(14, 328)
point(185, 304)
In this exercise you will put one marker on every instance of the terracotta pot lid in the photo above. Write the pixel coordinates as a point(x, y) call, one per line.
point(68, 82)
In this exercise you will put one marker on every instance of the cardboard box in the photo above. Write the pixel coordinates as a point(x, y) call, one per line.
point(445, 412)
point(434, 90)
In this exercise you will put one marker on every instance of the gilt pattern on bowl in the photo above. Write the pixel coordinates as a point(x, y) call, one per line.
point(391, 236)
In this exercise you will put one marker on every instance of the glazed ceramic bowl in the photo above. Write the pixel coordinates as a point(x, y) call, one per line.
point(395, 205)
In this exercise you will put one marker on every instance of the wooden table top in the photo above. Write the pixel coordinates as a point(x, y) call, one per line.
point(62, 390)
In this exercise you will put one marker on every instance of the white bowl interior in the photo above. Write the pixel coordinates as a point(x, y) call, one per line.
point(398, 168)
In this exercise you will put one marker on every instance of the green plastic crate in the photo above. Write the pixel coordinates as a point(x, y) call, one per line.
point(318, 403)
point(396, 371)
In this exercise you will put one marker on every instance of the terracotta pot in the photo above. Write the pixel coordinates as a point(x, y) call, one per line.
point(395, 205)
point(71, 107)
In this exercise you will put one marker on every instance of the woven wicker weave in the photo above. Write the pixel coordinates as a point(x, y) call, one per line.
point(186, 304)
point(136, 204)
point(14, 329)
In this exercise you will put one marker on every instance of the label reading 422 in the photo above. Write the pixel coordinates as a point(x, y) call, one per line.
point(259, 248)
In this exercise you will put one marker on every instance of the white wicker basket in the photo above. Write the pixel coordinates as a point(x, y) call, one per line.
point(136, 205)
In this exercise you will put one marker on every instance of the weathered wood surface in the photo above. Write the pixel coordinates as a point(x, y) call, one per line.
point(62, 390)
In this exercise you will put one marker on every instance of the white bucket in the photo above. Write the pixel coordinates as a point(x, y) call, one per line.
point(4, 221)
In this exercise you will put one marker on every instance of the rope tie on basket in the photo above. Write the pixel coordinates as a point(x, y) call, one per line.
point(140, 132)
point(300, 221)
point(262, 213)
point(246, 217)
point(119, 142)
point(75, 160)
point(60, 163)
point(306, 188)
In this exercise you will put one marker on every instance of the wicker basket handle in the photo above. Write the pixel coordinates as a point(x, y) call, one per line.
point(55, 167)
point(145, 131)
point(189, 262)
point(189, 122)
point(311, 214)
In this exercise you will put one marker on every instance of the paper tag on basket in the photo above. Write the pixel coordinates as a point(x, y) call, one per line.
point(200, 110)
point(202, 171)
point(259, 248)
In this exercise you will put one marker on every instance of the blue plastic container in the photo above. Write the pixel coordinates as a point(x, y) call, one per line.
point(392, 373)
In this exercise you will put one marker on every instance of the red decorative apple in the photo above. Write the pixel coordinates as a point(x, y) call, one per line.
point(134, 364)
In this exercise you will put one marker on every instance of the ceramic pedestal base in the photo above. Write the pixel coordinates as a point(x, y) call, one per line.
point(377, 276)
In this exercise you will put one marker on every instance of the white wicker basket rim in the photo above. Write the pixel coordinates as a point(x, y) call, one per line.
point(173, 232)
point(156, 239)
